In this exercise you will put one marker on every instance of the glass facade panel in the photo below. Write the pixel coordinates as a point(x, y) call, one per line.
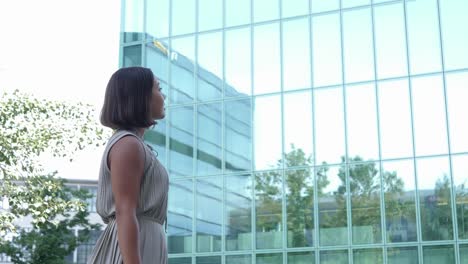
point(319, 6)
point(402, 255)
point(301, 257)
point(264, 10)
point(390, 41)
point(332, 206)
point(457, 96)
point(183, 17)
point(395, 122)
point(361, 120)
point(368, 256)
point(180, 260)
point(353, 3)
point(239, 197)
point(296, 54)
point(267, 73)
point(326, 49)
point(329, 125)
point(238, 135)
point(460, 178)
point(358, 45)
point(210, 66)
point(298, 129)
point(237, 12)
point(454, 33)
point(399, 194)
point(423, 36)
point(238, 61)
point(157, 59)
point(334, 257)
point(157, 18)
point(182, 70)
point(430, 127)
point(438, 254)
point(268, 207)
point(210, 14)
point(209, 204)
point(464, 254)
point(299, 188)
point(292, 8)
point(209, 151)
point(364, 184)
point(180, 217)
point(208, 260)
point(181, 142)
point(132, 56)
point(269, 259)
point(434, 186)
point(239, 259)
point(133, 20)
point(267, 132)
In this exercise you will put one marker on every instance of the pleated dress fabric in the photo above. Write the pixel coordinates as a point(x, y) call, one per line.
point(151, 211)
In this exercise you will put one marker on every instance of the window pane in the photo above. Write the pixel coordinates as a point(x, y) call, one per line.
point(210, 66)
point(326, 44)
point(156, 137)
point(132, 56)
point(237, 12)
point(457, 96)
point(133, 20)
point(239, 259)
point(265, 10)
point(454, 33)
point(423, 36)
point(183, 17)
point(434, 186)
point(209, 155)
point(269, 258)
point(209, 214)
point(358, 47)
point(402, 255)
point(298, 129)
point(464, 254)
point(296, 54)
point(210, 14)
point(268, 204)
point(399, 194)
point(334, 257)
point(292, 8)
point(361, 114)
point(353, 3)
point(157, 59)
point(390, 41)
point(238, 62)
point(238, 135)
point(299, 187)
point(267, 132)
point(267, 59)
point(180, 260)
point(182, 68)
point(395, 122)
point(208, 260)
point(181, 141)
point(460, 178)
point(329, 125)
point(324, 5)
point(301, 257)
point(429, 116)
point(238, 212)
point(180, 215)
point(364, 181)
point(157, 18)
point(438, 254)
point(332, 206)
point(368, 256)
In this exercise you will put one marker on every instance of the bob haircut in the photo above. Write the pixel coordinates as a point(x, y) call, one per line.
point(127, 100)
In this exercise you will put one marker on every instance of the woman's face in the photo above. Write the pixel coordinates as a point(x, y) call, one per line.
point(157, 102)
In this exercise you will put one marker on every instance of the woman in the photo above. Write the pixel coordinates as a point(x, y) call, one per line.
point(133, 185)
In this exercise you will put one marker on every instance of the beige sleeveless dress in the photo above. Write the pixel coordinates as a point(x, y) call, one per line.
point(151, 211)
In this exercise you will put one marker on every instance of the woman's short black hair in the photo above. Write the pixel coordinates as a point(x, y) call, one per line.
point(127, 99)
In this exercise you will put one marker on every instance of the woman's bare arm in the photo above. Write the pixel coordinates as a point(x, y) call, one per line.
point(126, 160)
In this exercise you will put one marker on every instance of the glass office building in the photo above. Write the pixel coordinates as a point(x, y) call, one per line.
point(309, 131)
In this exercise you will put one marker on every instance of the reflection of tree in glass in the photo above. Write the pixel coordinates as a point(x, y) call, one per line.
point(462, 210)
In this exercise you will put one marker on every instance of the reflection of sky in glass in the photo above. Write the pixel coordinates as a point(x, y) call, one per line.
point(430, 170)
point(460, 171)
point(157, 18)
point(238, 59)
point(457, 98)
point(266, 59)
point(454, 33)
point(210, 14)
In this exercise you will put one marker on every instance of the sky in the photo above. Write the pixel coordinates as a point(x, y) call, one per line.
point(62, 50)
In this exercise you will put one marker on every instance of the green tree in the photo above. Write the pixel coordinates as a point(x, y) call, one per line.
point(29, 128)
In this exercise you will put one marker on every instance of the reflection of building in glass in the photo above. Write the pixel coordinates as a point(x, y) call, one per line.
point(309, 131)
